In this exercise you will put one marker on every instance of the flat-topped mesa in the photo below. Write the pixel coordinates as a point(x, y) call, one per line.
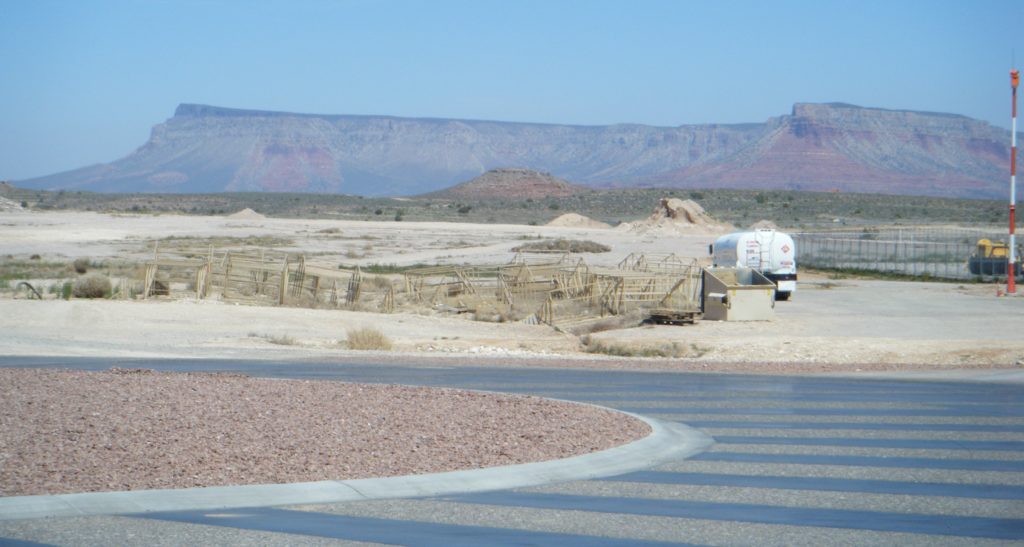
point(187, 109)
point(203, 110)
point(818, 147)
point(852, 117)
point(190, 110)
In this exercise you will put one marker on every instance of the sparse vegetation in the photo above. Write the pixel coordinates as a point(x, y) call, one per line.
point(81, 265)
point(563, 245)
point(498, 316)
point(221, 242)
point(91, 286)
point(34, 268)
point(379, 283)
point(673, 350)
point(281, 340)
point(613, 322)
point(368, 338)
point(845, 273)
point(787, 209)
point(387, 268)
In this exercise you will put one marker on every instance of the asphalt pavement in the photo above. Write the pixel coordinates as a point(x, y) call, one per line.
point(795, 461)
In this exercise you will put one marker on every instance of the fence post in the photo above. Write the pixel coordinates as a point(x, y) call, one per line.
point(284, 284)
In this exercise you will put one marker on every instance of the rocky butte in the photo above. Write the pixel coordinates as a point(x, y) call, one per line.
point(817, 147)
point(509, 183)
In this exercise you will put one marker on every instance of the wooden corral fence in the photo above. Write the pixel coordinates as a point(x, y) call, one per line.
point(251, 277)
point(650, 262)
point(261, 277)
point(526, 284)
point(639, 284)
point(558, 290)
point(447, 284)
point(180, 274)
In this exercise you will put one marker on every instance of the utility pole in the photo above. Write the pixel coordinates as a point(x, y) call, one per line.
point(1011, 283)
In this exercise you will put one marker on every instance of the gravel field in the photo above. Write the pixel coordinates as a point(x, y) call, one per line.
point(133, 429)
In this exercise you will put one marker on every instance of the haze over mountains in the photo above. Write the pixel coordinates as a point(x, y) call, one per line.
point(817, 147)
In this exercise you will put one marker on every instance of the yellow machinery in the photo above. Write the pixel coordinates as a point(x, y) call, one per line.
point(991, 258)
point(992, 249)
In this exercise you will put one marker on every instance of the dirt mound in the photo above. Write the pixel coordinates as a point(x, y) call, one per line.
point(510, 183)
point(247, 214)
point(673, 215)
point(9, 205)
point(573, 220)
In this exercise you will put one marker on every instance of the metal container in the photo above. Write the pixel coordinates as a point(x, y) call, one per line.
point(737, 294)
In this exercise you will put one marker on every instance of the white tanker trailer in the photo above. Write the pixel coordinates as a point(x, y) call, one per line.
point(768, 251)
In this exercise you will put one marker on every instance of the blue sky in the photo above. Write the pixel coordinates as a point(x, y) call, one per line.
point(85, 81)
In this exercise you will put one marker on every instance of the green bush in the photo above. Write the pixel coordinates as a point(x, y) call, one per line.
point(91, 286)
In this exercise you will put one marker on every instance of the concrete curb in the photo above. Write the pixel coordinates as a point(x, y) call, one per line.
point(667, 441)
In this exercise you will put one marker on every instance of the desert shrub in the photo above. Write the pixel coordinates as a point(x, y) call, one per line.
point(563, 245)
point(91, 286)
point(496, 316)
point(673, 350)
point(368, 338)
point(281, 340)
point(81, 265)
point(617, 350)
point(609, 323)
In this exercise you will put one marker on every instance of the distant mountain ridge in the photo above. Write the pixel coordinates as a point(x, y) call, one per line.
point(817, 147)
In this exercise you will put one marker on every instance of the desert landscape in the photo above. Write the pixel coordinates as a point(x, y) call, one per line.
point(545, 273)
point(832, 325)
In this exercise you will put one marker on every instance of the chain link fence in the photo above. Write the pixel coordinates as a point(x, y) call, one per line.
point(917, 251)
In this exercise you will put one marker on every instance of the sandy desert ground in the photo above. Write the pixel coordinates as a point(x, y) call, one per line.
point(831, 324)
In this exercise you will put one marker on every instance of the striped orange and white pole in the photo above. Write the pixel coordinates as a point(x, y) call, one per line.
point(1011, 283)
